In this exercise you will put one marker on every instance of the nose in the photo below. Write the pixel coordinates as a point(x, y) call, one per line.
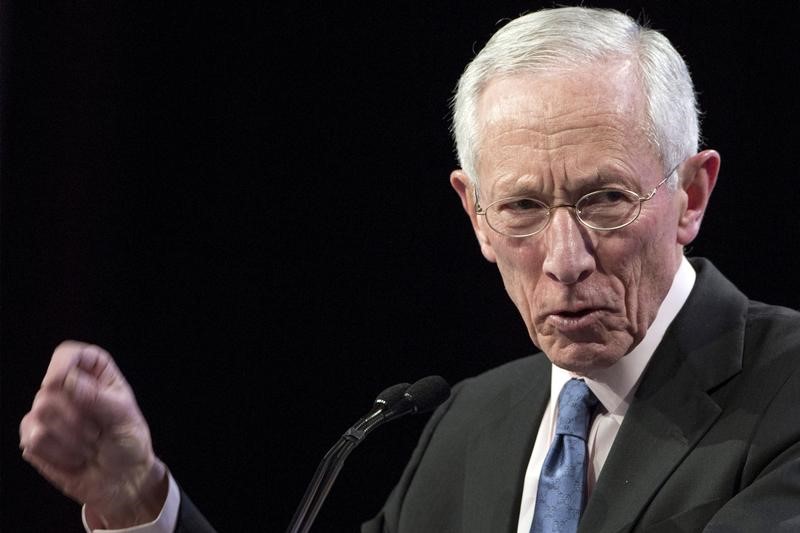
point(569, 254)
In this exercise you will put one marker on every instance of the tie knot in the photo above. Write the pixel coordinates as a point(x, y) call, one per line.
point(575, 406)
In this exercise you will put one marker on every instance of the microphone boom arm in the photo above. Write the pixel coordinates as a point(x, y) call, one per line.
point(394, 402)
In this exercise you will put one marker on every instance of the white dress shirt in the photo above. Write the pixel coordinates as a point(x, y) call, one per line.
point(614, 387)
point(164, 523)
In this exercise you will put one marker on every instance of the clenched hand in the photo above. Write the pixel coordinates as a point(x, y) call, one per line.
point(86, 435)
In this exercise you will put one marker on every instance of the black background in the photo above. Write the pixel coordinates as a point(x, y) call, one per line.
point(249, 207)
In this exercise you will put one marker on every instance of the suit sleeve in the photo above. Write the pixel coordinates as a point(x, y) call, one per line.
point(190, 520)
point(771, 499)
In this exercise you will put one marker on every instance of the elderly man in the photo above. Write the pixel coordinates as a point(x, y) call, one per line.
point(663, 400)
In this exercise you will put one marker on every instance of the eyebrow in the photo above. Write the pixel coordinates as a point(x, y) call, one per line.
point(604, 178)
point(524, 186)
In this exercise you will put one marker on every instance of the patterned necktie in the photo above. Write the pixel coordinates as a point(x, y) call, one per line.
point(562, 483)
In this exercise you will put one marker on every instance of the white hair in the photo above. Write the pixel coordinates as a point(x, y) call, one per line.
point(572, 37)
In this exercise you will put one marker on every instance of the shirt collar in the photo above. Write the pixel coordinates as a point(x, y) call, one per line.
point(614, 385)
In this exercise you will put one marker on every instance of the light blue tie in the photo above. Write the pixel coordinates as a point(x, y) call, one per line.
point(562, 483)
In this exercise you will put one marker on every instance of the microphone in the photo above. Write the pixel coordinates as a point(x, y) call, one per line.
point(392, 403)
point(421, 397)
point(388, 397)
point(400, 400)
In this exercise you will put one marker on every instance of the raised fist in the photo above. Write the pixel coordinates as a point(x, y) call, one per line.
point(86, 435)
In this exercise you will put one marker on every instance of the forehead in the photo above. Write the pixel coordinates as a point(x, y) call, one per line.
point(564, 125)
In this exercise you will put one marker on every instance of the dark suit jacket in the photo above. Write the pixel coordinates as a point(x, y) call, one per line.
point(711, 441)
point(189, 518)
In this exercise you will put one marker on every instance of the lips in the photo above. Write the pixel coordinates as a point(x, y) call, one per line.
point(575, 320)
point(576, 314)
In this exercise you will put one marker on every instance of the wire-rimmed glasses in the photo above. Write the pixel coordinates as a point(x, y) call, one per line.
point(602, 210)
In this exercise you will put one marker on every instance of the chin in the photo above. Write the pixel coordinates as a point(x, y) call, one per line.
point(584, 360)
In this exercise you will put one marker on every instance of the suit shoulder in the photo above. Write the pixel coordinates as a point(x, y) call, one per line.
point(759, 311)
point(772, 330)
point(510, 380)
point(518, 369)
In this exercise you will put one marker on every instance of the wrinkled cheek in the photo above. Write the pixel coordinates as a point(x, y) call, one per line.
point(544, 339)
point(521, 290)
point(645, 288)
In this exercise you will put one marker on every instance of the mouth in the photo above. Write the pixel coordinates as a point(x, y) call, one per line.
point(567, 320)
point(575, 314)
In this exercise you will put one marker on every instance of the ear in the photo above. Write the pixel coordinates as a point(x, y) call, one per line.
point(698, 177)
point(461, 183)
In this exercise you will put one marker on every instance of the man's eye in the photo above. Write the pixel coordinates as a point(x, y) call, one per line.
point(522, 205)
point(609, 196)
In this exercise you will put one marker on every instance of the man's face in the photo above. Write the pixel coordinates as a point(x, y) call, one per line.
point(587, 297)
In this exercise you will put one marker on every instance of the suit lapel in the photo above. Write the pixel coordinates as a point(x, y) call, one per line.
point(672, 408)
point(499, 452)
point(651, 443)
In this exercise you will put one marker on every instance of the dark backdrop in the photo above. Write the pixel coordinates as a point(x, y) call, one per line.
point(249, 207)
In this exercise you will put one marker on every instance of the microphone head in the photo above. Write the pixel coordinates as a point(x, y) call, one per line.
point(391, 395)
point(427, 393)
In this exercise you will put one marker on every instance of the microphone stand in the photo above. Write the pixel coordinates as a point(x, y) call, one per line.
point(394, 402)
point(328, 470)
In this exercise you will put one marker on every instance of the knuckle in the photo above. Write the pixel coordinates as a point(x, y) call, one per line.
point(49, 409)
point(25, 427)
point(67, 348)
point(36, 437)
point(41, 402)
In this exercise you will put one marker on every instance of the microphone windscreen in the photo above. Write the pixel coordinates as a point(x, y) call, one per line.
point(390, 395)
point(428, 393)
